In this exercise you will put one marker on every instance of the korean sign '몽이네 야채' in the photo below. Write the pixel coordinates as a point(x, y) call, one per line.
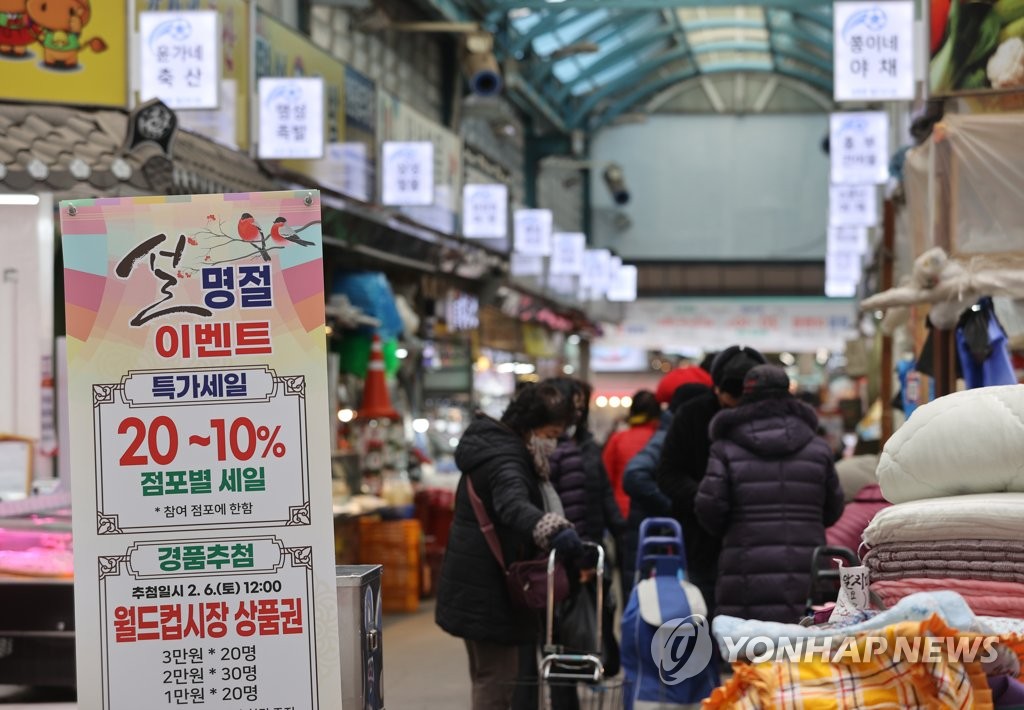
point(197, 390)
point(873, 51)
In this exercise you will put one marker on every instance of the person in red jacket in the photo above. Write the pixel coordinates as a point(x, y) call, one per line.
point(644, 418)
point(848, 531)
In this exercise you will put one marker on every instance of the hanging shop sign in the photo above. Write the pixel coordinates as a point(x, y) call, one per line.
point(526, 265)
point(485, 211)
point(357, 155)
point(65, 52)
point(709, 324)
point(874, 51)
point(532, 232)
point(623, 286)
point(407, 174)
point(179, 58)
point(596, 276)
point(853, 205)
point(567, 253)
point(975, 47)
point(843, 270)
point(618, 359)
point(462, 312)
point(228, 124)
point(198, 397)
point(281, 52)
point(859, 148)
point(291, 118)
point(848, 239)
point(397, 121)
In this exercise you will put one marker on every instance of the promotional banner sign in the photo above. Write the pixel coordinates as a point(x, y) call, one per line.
point(567, 254)
point(873, 51)
point(204, 556)
point(180, 58)
point(64, 51)
point(291, 118)
point(485, 211)
point(533, 232)
point(407, 174)
point(859, 148)
point(228, 124)
point(623, 286)
point(853, 205)
point(975, 48)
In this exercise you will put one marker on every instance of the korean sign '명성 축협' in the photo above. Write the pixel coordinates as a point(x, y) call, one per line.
point(204, 570)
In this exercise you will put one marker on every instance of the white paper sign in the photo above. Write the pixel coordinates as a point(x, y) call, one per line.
point(180, 58)
point(291, 118)
point(567, 253)
point(848, 239)
point(407, 174)
point(873, 51)
point(596, 271)
point(842, 273)
point(485, 211)
point(859, 148)
point(623, 286)
point(533, 232)
point(526, 265)
point(853, 206)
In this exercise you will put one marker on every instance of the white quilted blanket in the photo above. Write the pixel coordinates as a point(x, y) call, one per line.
point(966, 442)
point(985, 516)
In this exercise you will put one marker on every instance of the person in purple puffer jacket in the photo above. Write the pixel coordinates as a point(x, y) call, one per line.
point(770, 491)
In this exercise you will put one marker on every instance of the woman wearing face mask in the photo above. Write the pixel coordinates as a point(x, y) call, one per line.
point(507, 462)
point(579, 476)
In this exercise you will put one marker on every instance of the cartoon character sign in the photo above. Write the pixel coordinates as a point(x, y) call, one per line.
point(58, 26)
point(15, 29)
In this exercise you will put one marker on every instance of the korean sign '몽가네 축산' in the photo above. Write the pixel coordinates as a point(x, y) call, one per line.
point(200, 439)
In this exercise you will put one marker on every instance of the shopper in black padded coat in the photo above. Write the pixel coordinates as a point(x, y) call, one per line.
point(508, 464)
point(684, 460)
point(771, 490)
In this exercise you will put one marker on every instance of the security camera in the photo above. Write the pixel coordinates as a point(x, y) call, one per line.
point(481, 66)
point(615, 179)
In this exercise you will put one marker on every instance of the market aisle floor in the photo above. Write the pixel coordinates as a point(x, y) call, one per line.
point(424, 668)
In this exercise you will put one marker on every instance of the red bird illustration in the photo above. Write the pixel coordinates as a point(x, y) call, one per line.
point(281, 232)
point(249, 231)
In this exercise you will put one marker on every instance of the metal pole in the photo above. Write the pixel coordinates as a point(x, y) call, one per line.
point(887, 258)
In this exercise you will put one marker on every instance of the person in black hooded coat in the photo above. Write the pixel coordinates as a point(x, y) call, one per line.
point(507, 462)
point(770, 491)
point(684, 460)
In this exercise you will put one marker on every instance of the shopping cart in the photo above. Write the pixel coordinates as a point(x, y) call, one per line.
point(575, 677)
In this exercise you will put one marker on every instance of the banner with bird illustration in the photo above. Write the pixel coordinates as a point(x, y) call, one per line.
point(200, 448)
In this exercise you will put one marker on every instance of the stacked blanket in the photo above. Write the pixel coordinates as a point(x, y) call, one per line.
point(955, 472)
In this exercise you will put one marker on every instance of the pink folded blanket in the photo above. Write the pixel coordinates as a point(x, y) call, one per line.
point(985, 597)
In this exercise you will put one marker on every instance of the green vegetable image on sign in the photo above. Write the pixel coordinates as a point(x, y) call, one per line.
point(977, 46)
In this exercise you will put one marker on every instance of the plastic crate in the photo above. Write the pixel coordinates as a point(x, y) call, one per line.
point(400, 589)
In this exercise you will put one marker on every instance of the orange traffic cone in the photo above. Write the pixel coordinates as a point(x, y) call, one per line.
point(376, 400)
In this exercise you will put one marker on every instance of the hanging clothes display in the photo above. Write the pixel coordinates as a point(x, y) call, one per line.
point(982, 346)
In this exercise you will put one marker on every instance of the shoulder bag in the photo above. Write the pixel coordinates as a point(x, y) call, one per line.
point(527, 580)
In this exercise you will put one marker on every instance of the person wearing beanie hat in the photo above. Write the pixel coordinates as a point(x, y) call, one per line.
point(684, 460)
point(644, 418)
point(770, 491)
point(679, 377)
